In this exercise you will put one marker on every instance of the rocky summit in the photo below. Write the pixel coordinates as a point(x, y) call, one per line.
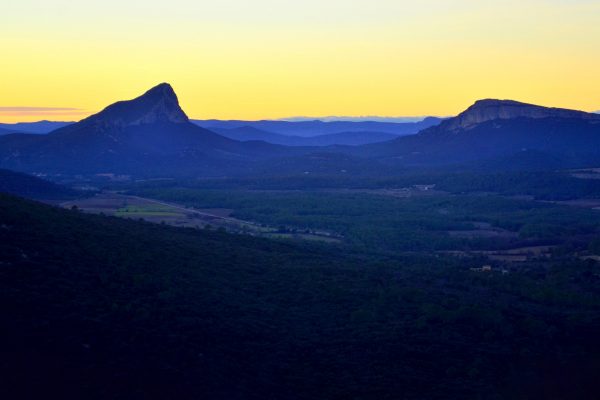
point(490, 109)
point(150, 132)
point(159, 104)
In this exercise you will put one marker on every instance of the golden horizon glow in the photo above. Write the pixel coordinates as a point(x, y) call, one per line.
point(261, 59)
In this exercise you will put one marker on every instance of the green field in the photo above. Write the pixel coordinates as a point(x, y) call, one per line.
point(146, 211)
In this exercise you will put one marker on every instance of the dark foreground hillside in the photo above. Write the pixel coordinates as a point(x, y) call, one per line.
point(102, 308)
point(32, 187)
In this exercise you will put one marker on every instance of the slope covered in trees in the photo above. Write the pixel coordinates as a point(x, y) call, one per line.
point(97, 307)
point(32, 187)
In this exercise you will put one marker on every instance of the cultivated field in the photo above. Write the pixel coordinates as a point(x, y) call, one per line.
point(155, 211)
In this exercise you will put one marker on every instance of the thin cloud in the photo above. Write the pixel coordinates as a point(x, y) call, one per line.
point(25, 109)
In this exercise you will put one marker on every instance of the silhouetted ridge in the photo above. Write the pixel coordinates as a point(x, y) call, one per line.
point(501, 130)
point(149, 135)
point(159, 104)
point(491, 109)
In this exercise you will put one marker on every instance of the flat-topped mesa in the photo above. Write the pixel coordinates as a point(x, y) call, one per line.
point(490, 109)
point(157, 105)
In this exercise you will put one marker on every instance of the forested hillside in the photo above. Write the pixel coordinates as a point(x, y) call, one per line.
point(98, 307)
point(32, 187)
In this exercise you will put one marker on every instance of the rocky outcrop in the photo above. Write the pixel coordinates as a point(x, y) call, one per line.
point(159, 104)
point(488, 110)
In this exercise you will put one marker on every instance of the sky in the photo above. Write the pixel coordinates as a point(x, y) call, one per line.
point(255, 59)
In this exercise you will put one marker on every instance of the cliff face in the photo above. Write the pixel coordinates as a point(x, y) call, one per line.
point(489, 110)
point(502, 134)
point(159, 104)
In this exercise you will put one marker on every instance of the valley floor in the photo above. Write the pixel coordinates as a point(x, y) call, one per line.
point(162, 212)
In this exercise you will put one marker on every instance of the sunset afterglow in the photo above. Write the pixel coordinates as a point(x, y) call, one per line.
point(239, 59)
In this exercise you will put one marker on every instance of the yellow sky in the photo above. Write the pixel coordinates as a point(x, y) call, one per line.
point(252, 59)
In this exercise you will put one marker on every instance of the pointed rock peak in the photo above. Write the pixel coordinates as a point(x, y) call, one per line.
point(161, 90)
point(492, 109)
point(157, 105)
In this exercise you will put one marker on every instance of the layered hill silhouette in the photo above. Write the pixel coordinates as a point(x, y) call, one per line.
point(39, 127)
point(351, 138)
point(7, 131)
point(288, 133)
point(149, 135)
point(316, 132)
point(152, 136)
point(496, 130)
point(314, 128)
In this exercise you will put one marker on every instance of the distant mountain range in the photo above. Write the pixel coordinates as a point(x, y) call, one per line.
point(316, 132)
point(354, 138)
point(289, 133)
point(5, 131)
point(318, 127)
point(372, 118)
point(40, 127)
point(152, 136)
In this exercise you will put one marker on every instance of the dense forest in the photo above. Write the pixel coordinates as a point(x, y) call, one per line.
point(541, 185)
point(98, 307)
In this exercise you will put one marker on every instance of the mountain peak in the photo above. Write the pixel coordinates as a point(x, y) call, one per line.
point(164, 90)
point(159, 104)
point(498, 103)
point(493, 109)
